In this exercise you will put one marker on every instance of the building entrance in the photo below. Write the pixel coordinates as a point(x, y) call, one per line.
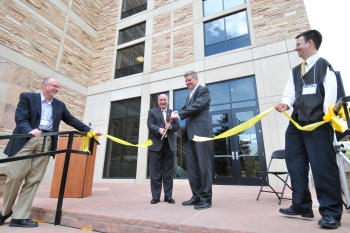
point(237, 159)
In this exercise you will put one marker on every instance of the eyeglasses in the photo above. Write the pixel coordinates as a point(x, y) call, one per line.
point(55, 86)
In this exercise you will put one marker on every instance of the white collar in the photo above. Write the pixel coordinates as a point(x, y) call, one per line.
point(44, 100)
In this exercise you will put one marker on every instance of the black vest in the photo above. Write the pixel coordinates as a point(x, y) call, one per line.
point(309, 108)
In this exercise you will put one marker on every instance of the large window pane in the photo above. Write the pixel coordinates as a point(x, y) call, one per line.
point(236, 25)
point(125, 36)
point(227, 33)
point(212, 6)
point(139, 31)
point(232, 3)
point(131, 7)
point(130, 60)
point(215, 48)
point(214, 31)
point(219, 92)
point(180, 157)
point(124, 123)
point(123, 58)
point(242, 89)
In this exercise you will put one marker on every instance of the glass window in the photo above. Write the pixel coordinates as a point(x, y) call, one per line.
point(131, 7)
point(154, 99)
point(214, 6)
point(227, 33)
point(219, 92)
point(124, 123)
point(180, 157)
point(132, 33)
point(242, 89)
point(130, 60)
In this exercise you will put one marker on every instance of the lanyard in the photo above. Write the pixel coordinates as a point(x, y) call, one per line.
point(302, 78)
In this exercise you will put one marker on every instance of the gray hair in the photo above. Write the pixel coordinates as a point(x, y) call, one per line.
point(192, 73)
point(46, 81)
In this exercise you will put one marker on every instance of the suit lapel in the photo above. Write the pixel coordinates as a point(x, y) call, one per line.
point(37, 100)
point(193, 96)
point(54, 110)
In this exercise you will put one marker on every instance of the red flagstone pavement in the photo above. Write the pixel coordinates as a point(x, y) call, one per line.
point(126, 208)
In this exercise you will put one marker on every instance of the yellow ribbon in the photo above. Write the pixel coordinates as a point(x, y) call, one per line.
point(330, 116)
point(84, 146)
point(235, 130)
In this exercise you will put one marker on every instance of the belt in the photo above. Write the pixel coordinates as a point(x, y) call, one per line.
point(45, 131)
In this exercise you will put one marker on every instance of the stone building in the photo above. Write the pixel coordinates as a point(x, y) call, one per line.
point(113, 57)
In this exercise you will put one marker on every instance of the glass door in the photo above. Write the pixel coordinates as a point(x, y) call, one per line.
point(248, 149)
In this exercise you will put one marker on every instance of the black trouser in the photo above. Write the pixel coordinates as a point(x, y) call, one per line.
point(314, 148)
point(199, 170)
point(162, 167)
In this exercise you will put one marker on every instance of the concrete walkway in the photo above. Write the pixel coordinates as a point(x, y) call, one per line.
point(127, 208)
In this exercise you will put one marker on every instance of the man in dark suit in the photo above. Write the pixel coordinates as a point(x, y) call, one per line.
point(35, 113)
point(161, 153)
point(198, 154)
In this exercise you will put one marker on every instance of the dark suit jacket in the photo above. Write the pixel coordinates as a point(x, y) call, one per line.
point(196, 113)
point(28, 116)
point(155, 121)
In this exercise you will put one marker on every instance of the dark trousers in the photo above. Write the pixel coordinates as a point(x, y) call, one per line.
point(314, 148)
point(199, 170)
point(161, 168)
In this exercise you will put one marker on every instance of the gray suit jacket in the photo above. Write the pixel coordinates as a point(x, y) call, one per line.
point(196, 113)
point(155, 121)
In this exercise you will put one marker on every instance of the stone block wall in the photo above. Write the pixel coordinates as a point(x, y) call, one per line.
point(177, 47)
point(277, 20)
point(15, 79)
point(104, 50)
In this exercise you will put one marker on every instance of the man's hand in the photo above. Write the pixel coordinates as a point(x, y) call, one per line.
point(174, 115)
point(97, 133)
point(162, 131)
point(168, 125)
point(281, 107)
point(36, 133)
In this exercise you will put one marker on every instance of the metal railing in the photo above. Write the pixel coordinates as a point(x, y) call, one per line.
point(67, 151)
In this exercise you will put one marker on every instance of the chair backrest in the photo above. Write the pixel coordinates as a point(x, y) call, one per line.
point(278, 154)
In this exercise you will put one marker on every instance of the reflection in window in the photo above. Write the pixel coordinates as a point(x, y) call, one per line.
point(214, 6)
point(242, 89)
point(131, 7)
point(130, 60)
point(124, 123)
point(227, 33)
point(180, 157)
point(132, 33)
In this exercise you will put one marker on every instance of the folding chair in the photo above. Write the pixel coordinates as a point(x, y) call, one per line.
point(278, 154)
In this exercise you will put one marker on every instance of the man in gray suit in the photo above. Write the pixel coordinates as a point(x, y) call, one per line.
point(161, 153)
point(198, 154)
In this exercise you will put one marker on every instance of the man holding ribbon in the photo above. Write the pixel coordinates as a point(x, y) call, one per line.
point(310, 90)
point(161, 153)
point(35, 113)
point(198, 154)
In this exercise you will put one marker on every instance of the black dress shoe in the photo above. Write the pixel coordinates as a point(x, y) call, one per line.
point(329, 222)
point(190, 202)
point(3, 218)
point(155, 200)
point(291, 211)
point(169, 200)
point(22, 223)
point(202, 205)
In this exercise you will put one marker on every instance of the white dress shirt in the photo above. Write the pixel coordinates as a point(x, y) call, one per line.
point(189, 100)
point(329, 83)
point(46, 113)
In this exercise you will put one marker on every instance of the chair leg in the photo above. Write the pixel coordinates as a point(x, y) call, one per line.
point(284, 187)
point(262, 185)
